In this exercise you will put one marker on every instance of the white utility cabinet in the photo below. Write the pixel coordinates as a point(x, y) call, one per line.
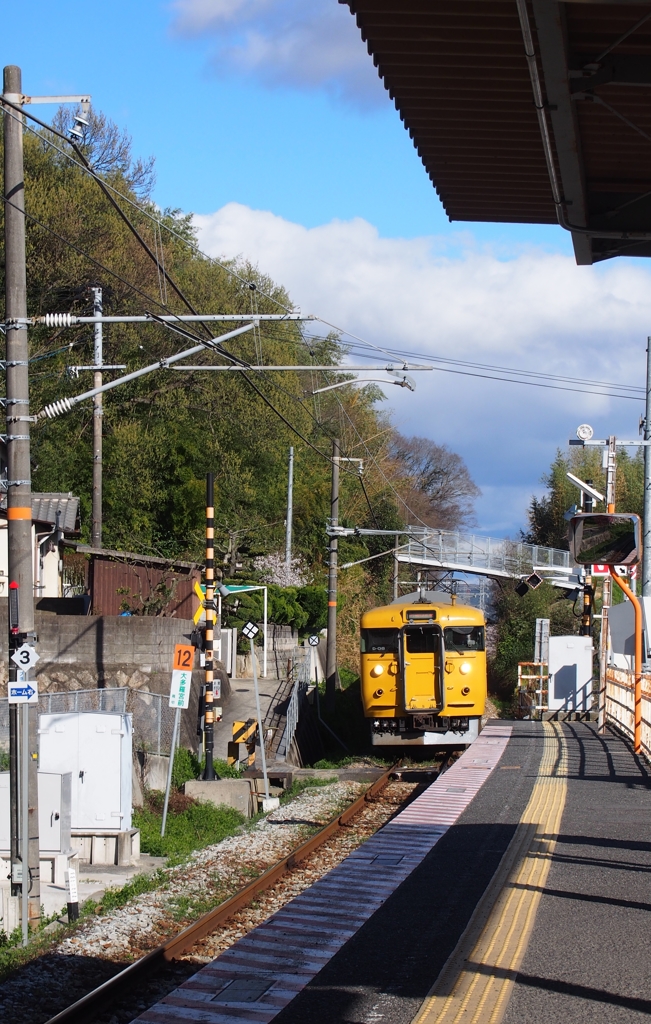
point(53, 812)
point(570, 673)
point(96, 748)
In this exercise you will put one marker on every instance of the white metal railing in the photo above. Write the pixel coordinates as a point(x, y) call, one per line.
point(620, 705)
point(301, 662)
point(494, 555)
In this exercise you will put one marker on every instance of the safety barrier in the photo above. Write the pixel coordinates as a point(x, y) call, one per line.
point(620, 705)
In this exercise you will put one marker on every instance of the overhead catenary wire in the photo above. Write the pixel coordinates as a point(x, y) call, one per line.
point(144, 212)
point(367, 345)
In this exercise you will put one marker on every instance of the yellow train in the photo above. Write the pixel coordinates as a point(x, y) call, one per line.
point(423, 671)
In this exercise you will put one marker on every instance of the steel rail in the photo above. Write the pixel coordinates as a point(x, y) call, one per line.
point(83, 1010)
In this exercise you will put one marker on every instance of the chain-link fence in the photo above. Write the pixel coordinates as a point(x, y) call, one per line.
point(153, 719)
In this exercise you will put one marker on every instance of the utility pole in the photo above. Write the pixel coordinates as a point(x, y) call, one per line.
point(98, 412)
point(290, 511)
point(646, 539)
point(19, 499)
point(331, 648)
point(396, 570)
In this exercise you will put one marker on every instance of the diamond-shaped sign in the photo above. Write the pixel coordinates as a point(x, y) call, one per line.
point(250, 630)
point(25, 657)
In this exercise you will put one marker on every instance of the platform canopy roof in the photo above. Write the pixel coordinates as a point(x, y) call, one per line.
point(563, 135)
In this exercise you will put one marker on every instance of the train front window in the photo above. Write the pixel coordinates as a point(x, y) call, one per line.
point(464, 638)
point(421, 640)
point(379, 641)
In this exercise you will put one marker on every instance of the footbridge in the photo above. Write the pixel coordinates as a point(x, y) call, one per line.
point(452, 551)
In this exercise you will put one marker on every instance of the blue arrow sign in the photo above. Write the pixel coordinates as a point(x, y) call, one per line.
point(21, 691)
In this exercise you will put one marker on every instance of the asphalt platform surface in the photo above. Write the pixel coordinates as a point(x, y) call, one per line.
point(589, 956)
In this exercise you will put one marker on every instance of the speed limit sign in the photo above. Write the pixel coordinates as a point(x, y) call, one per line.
point(25, 657)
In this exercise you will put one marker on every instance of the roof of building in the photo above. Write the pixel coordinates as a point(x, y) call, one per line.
point(46, 506)
point(458, 74)
point(133, 558)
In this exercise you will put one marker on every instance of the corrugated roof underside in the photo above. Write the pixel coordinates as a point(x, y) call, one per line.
point(457, 73)
point(458, 76)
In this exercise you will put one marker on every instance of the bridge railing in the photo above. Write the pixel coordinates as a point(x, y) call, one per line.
point(493, 554)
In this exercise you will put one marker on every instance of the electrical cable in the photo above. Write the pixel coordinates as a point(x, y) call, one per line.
point(107, 189)
point(136, 206)
point(403, 355)
point(241, 362)
point(81, 252)
point(368, 502)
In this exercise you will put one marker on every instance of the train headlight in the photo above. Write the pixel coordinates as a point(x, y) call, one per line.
point(377, 670)
point(465, 668)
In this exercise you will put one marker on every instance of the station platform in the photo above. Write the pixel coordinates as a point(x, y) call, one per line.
point(514, 889)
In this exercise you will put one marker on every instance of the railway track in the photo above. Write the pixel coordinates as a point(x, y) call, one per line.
point(187, 951)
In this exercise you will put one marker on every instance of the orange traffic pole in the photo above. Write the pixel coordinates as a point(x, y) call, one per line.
point(638, 656)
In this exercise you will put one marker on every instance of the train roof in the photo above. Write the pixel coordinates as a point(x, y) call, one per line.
point(436, 601)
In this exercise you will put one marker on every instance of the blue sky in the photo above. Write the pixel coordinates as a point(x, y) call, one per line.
point(266, 118)
point(296, 149)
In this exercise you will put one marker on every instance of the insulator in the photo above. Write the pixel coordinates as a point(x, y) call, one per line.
point(58, 408)
point(58, 319)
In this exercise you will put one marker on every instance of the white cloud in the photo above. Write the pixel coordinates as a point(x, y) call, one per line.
point(531, 309)
point(304, 44)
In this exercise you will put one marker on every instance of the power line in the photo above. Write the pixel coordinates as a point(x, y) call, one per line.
point(145, 213)
point(87, 256)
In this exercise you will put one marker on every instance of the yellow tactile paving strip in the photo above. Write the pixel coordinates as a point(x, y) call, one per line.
point(476, 983)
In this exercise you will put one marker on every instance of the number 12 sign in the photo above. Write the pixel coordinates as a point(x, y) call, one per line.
point(181, 676)
point(183, 657)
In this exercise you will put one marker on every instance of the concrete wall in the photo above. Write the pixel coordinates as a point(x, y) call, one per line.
point(82, 652)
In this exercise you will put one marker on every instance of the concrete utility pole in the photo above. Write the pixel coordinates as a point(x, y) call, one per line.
point(331, 648)
point(290, 511)
point(19, 498)
point(98, 412)
point(646, 539)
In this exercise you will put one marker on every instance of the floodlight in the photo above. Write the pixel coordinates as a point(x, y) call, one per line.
point(588, 488)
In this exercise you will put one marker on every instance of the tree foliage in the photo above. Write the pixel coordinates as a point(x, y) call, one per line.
point(545, 515)
point(163, 432)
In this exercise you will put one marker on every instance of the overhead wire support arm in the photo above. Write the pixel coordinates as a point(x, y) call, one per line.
point(64, 405)
point(70, 320)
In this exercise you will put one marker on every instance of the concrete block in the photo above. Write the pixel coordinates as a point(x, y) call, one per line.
point(232, 792)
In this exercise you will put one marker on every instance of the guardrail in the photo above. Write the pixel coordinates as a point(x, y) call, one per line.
point(300, 673)
point(620, 705)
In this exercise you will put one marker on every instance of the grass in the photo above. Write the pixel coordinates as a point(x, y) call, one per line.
point(190, 825)
point(298, 786)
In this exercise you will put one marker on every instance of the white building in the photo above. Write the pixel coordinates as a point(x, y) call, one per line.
point(54, 516)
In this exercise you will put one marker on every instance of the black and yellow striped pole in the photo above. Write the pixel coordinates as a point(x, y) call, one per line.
point(209, 716)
